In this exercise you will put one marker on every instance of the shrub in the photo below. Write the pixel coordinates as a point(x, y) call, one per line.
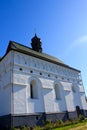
point(23, 128)
point(47, 127)
point(48, 122)
point(37, 128)
point(13, 129)
point(60, 122)
point(81, 118)
point(31, 128)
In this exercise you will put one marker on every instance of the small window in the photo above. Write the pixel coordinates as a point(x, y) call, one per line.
point(31, 71)
point(35, 65)
point(48, 75)
point(43, 67)
point(40, 73)
point(57, 92)
point(74, 89)
point(37, 117)
point(20, 69)
point(56, 77)
point(68, 79)
point(62, 78)
point(25, 62)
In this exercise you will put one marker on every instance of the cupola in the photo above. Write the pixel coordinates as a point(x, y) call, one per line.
point(36, 44)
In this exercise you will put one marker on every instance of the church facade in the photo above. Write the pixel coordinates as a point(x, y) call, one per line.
point(35, 87)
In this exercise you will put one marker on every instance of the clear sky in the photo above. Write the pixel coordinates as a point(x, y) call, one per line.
point(61, 25)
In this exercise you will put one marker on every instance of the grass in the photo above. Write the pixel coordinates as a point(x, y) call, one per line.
point(78, 126)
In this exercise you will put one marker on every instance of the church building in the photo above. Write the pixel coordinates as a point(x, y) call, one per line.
point(35, 87)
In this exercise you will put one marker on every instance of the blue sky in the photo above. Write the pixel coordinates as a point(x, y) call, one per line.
point(61, 25)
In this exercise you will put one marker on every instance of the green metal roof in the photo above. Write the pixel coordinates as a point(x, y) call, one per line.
point(26, 50)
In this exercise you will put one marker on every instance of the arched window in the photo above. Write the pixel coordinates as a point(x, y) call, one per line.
point(57, 92)
point(74, 88)
point(33, 89)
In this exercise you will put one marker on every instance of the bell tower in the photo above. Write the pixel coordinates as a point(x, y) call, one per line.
point(36, 44)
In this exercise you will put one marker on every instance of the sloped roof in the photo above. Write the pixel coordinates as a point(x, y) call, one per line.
point(26, 50)
point(0, 58)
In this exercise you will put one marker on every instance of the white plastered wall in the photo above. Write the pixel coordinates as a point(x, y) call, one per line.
point(46, 100)
point(6, 84)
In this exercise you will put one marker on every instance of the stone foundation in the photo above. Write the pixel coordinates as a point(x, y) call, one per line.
point(9, 121)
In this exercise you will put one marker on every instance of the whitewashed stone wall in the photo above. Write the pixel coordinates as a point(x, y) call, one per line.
point(27, 68)
point(17, 70)
point(6, 84)
point(82, 96)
